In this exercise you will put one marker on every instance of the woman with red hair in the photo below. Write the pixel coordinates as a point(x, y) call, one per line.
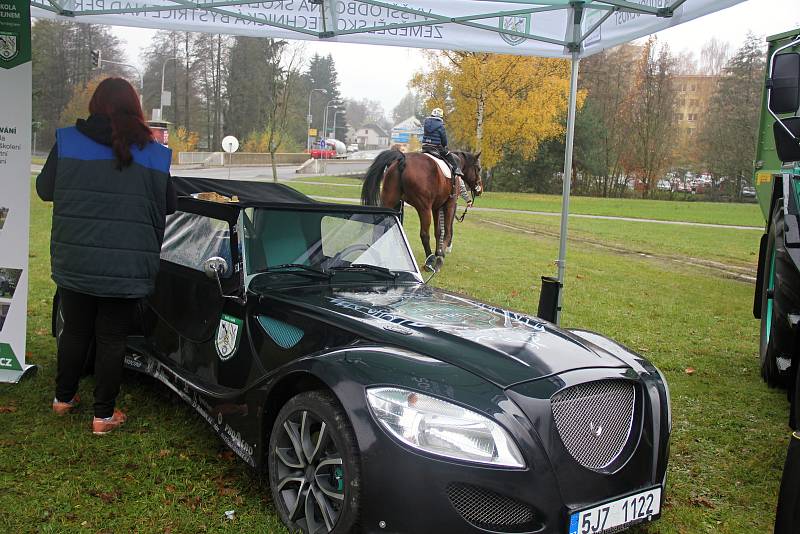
point(109, 184)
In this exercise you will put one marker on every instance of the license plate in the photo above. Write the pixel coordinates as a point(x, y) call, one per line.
point(619, 513)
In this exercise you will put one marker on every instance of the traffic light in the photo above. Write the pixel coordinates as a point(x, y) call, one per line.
point(97, 59)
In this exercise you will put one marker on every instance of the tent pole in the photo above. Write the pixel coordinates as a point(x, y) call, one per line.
point(562, 245)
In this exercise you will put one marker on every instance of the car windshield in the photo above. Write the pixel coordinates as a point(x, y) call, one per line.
point(327, 241)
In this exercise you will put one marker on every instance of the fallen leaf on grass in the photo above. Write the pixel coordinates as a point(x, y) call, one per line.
point(106, 496)
point(689, 370)
point(164, 452)
point(8, 409)
point(227, 454)
point(192, 502)
point(169, 488)
point(701, 501)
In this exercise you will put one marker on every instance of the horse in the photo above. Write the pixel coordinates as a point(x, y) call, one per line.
point(416, 179)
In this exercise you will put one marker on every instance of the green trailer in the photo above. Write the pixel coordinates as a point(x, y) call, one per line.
point(777, 179)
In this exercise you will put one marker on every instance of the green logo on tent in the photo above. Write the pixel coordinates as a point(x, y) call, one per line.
point(519, 23)
point(8, 362)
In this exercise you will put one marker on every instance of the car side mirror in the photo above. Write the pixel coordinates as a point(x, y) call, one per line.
point(215, 267)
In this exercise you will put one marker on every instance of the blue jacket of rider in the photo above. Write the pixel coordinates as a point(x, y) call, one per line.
point(434, 132)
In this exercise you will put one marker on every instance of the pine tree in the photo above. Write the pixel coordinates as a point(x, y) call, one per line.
point(322, 74)
point(249, 85)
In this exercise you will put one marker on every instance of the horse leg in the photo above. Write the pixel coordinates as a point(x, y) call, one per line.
point(424, 236)
point(450, 214)
point(438, 224)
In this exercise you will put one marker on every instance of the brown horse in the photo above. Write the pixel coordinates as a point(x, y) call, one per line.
point(415, 178)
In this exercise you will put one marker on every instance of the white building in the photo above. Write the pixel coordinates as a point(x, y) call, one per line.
point(371, 137)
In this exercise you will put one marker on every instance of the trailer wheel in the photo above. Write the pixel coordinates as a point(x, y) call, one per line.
point(779, 298)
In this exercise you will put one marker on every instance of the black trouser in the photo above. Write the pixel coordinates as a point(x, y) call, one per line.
point(108, 322)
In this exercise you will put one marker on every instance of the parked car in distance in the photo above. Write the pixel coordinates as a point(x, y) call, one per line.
point(304, 335)
point(353, 147)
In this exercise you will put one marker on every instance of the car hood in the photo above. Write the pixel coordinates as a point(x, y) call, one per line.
point(501, 346)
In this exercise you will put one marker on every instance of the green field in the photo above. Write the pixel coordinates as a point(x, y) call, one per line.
point(166, 472)
point(701, 212)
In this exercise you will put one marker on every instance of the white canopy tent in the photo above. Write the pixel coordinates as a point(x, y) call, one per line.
point(551, 28)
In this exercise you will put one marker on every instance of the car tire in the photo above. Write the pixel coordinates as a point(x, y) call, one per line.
point(314, 465)
point(779, 298)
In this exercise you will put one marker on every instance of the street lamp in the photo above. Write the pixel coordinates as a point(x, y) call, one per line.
point(308, 117)
point(161, 96)
point(334, 102)
point(339, 112)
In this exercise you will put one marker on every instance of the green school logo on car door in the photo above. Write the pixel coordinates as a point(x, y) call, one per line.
point(229, 333)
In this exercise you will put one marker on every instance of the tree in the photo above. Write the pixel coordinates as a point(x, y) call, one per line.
point(78, 104)
point(411, 105)
point(62, 63)
point(731, 131)
point(249, 84)
point(322, 74)
point(284, 70)
point(609, 86)
point(713, 56)
point(365, 111)
point(497, 103)
point(652, 117)
point(211, 52)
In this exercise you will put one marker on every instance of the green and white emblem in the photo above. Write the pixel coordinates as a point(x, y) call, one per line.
point(229, 332)
point(8, 46)
point(520, 23)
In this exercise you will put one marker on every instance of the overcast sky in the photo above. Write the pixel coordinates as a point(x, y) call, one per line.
point(382, 72)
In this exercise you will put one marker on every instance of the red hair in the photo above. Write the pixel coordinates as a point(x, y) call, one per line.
point(116, 99)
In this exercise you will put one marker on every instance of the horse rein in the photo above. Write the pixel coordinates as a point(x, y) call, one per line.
point(466, 208)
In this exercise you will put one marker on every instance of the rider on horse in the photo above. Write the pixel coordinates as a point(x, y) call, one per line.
point(434, 140)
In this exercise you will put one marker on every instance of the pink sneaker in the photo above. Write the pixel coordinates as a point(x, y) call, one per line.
point(63, 408)
point(101, 426)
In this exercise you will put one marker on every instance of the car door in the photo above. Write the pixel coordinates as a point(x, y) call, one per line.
point(198, 322)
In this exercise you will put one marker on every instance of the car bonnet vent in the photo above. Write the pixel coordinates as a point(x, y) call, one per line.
point(595, 419)
point(489, 510)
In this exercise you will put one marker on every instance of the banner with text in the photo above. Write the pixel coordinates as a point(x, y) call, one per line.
point(15, 184)
point(529, 27)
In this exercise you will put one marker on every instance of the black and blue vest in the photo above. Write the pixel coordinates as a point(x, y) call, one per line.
point(108, 223)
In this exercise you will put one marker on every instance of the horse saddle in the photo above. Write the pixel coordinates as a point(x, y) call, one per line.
point(443, 165)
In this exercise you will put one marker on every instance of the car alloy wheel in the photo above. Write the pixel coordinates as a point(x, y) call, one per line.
point(313, 465)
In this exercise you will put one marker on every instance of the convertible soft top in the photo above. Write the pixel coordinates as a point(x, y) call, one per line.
point(250, 193)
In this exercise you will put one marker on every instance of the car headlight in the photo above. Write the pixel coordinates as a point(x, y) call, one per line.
point(442, 428)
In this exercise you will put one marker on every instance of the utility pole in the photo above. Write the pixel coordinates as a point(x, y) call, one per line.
point(334, 102)
point(161, 97)
point(308, 116)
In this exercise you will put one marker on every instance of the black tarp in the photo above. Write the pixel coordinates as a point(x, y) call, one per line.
point(249, 193)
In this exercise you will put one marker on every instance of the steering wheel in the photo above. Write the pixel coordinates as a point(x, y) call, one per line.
point(347, 251)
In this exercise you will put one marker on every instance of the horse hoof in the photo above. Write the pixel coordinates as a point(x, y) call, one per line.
point(439, 263)
point(430, 263)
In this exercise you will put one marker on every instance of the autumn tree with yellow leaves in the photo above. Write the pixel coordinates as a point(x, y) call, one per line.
point(495, 104)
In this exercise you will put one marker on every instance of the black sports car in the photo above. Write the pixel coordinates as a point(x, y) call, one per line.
point(304, 335)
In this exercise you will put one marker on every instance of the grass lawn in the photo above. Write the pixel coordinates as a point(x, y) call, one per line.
point(166, 472)
point(664, 210)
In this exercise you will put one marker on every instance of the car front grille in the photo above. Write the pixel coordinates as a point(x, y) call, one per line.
point(594, 420)
point(489, 510)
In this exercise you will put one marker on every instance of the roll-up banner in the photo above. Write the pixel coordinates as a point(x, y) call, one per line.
point(15, 183)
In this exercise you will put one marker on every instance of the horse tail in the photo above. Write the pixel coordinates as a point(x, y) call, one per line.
point(371, 190)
